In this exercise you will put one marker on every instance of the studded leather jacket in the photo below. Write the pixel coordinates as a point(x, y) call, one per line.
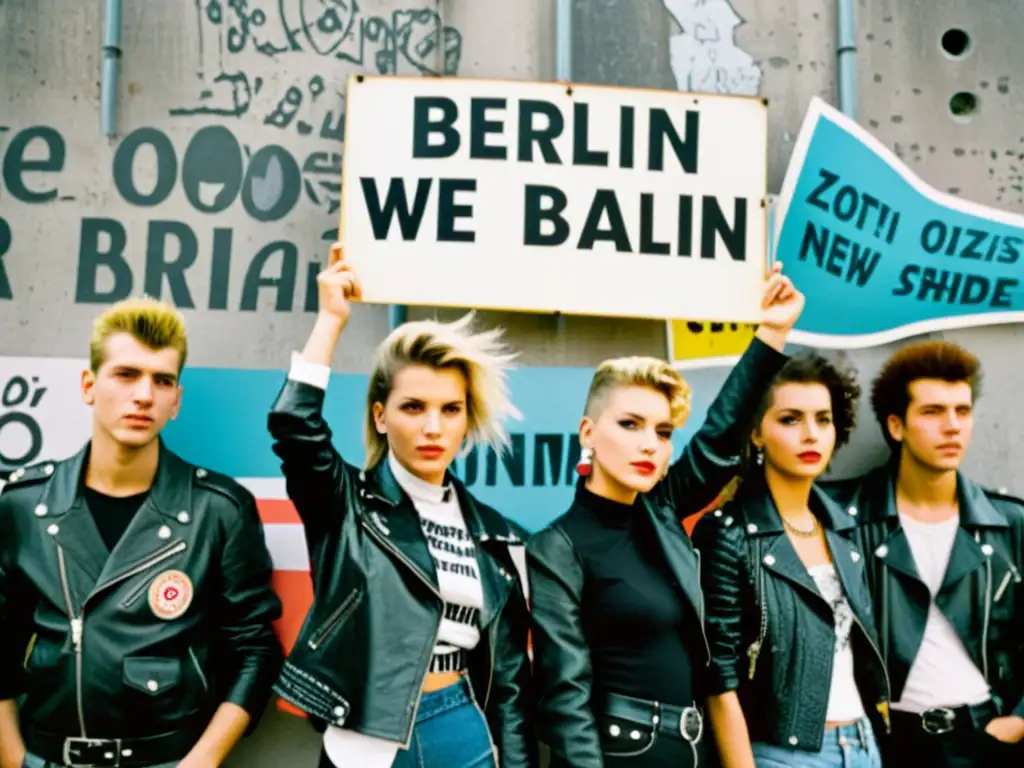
point(363, 652)
point(142, 643)
point(982, 594)
point(772, 633)
point(567, 716)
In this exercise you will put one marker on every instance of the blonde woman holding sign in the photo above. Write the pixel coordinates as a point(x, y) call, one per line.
point(619, 646)
point(414, 651)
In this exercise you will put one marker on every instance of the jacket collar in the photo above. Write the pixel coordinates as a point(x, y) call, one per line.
point(877, 498)
point(397, 523)
point(160, 525)
point(483, 524)
point(762, 516)
point(169, 494)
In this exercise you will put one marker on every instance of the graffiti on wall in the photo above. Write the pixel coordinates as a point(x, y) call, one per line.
point(179, 211)
point(337, 32)
point(703, 51)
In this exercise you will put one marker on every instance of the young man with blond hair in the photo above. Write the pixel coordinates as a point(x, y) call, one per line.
point(135, 602)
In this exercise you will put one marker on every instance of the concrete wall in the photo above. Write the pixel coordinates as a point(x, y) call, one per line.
point(235, 181)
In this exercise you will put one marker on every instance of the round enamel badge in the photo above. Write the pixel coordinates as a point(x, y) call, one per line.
point(170, 595)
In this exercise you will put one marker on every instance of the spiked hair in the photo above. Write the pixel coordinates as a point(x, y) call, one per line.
point(481, 357)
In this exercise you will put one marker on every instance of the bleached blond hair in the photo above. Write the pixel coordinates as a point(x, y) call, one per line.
point(155, 324)
point(482, 358)
point(639, 372)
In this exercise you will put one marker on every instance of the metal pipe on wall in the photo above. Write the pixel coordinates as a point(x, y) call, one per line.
point(846, 46)
point(563, 40)
point(112, 12)
point(563, 73)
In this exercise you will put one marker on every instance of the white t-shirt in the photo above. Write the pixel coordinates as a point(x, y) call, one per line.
point(943, 674)
point(454, 555)
point(844, 702)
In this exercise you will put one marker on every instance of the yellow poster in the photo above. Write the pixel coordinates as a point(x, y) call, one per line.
point(695, 344)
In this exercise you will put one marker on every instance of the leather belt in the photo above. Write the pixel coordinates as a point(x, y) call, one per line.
point(114, 752)
point(686, 723)
point(938, 721)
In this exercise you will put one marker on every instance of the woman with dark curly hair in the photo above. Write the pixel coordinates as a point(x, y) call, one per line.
point(796, 679)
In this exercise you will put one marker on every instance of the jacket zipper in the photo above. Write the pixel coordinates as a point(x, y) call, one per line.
point(437, 631)
point(157, 557)
point(988, 616)
point(700, 610)
point(334, 620)
point(78, 623)
point(76, 638)
point(885, 618)
point(199, 670)
point(885, 672)
point(755, 648)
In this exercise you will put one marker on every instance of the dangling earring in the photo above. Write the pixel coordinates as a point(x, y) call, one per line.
point(759, 458)
point(585, 465)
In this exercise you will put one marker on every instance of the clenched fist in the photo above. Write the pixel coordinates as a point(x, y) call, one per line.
point(337, 286)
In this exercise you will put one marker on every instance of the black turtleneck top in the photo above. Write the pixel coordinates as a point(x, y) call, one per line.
point(642, 632)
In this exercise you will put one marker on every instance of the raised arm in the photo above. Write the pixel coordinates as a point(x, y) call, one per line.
point(712, 457)
point(723, 580)
point(314, 471)
point(561, 658)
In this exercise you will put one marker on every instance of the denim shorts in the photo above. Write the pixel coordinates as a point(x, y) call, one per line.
point(848, 746)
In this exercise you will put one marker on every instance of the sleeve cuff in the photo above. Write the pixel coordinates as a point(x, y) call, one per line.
point(1019, 709)
point(313, 374)
point(767, 353)
point(722, 681)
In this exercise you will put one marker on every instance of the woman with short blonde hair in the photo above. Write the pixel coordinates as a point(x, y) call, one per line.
point(414, 651)
point(617, 610)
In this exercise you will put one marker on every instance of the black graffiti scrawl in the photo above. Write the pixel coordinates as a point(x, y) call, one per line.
point(246, 46)
point(338, 32)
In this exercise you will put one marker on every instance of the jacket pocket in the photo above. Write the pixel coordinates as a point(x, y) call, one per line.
point(336, 618)
point(152, 675)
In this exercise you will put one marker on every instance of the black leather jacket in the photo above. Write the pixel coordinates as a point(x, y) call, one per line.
point(772, 633)
point(982, 594)
point(566, 721)
point(364, 649)
point(103, 663)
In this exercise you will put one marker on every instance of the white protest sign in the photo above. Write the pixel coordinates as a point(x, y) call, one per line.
point(552, 198)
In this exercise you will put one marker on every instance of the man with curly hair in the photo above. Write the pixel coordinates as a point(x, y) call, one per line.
point(944, 559)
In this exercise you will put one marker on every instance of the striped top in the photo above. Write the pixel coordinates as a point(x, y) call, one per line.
point(454, 555)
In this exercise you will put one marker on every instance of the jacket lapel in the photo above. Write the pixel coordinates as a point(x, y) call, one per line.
point(781, 559)
point(63, 514)
point(965, 558)
point(391, 514)
point(157, 528)
point(849, 565)
point(89, 565)
point(679, 553)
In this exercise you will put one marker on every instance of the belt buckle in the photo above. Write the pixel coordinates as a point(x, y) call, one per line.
point(80, 752)
point(690, 721)
point(938, 720)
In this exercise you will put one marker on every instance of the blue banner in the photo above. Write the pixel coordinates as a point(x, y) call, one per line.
point(879, 254)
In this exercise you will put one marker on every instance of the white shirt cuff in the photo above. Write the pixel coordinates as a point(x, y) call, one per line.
point(314, 374)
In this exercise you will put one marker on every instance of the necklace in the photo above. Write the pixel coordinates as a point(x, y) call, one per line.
point(805, 532)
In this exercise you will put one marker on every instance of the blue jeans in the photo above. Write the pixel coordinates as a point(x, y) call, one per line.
point(450, 732)
point(848, 746)
point(31, 761)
